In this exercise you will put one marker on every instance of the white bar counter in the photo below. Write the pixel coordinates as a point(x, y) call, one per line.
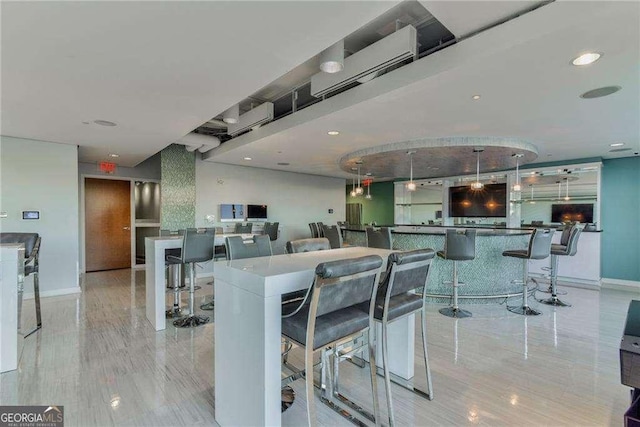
point(248, 330)
point(155, 284)
point(11, 262)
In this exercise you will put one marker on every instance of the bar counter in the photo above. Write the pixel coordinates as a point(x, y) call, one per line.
point(487, 278)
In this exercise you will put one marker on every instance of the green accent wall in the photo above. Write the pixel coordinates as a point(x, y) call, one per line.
point(178, 189)
point(620, 218)
point(380, 207)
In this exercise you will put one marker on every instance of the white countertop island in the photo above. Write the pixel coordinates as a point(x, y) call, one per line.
point(248, 330)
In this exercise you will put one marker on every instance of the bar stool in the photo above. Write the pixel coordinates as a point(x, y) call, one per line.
point(380, 238)
point(539, 248)
point(197, 246)
point(175, 282)
point(570, 248)
point(395, 299)
point(459, 245)
point(315, 233)
point(564, 240)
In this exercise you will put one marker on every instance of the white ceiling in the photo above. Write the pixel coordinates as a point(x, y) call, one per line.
point(522, 69)
point(157, 69)
point(161, 69)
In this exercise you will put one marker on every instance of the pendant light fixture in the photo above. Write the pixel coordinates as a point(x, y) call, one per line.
point(411, 186)
point(359, 190)
point(559, 189)
point(477, 185)
point(353, 187)
point(517, 187)
point(368, 195)
point(531, 201)
point(566, 194)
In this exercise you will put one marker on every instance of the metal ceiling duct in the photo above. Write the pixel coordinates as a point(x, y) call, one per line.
point(196, 141)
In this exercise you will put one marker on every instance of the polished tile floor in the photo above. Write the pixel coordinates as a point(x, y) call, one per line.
point(99, 357)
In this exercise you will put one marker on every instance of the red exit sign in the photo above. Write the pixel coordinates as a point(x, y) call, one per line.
point(107, 167)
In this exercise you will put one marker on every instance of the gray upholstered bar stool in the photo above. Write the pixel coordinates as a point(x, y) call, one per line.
point(271, 230)
point(459, 245)
point(197, 246)
point(176, 275)
point(380, 238)
point(315, 233)
point(332, 317)
point(406, 272)
point(243, 228)
point(332, 232)
point(570, 248)
point(539, 248)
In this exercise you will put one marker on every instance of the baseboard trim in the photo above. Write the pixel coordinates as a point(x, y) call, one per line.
point(621, 285)
point(53, 293)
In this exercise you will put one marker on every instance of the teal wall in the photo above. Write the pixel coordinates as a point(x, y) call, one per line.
point(178, 189)
point(380, 207)
point(620, 218)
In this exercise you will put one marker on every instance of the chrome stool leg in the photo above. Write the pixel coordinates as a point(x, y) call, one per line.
point(192, 320)
point(554, 300)
point(454, 310)
point(175, 274)
point(525, 310)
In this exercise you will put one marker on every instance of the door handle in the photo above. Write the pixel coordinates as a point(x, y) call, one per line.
point(126, 228)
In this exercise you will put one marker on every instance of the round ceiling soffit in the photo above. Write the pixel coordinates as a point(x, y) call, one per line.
point(440, 157)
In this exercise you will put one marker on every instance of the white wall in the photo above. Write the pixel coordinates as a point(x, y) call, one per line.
point(37, 175)
point(292, 199)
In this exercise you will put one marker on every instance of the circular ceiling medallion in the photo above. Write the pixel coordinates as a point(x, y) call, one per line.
point(600, 92)
point(440, 157)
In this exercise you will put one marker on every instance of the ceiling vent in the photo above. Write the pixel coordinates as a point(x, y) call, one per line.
point(252, 118)
point(391, 50)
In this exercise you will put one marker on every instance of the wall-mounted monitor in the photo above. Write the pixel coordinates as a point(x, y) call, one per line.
point(572, 212)
point(256, 212)
point(232, 212)
point(489, 202)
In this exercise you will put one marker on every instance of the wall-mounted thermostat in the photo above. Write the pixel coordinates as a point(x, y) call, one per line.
point(30, 214)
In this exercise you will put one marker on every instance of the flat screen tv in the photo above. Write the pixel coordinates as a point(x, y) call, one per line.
point(572, 212)
point(256, 212)
point(489, 202)
point(231, 212)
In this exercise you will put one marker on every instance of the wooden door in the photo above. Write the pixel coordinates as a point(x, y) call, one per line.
point(107, 224)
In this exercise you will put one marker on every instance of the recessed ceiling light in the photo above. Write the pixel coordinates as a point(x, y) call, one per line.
point(114, 155)
point(586, 58)
point(104, 123)
point(617, 144)
point(475, 97)
point(247, 158)
point(333, 132)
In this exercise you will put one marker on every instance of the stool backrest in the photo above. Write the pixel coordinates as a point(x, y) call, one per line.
point(263, 243)
point(572, 241)
point(460, 245)
point(308, 245)
point(344, 283)
point(405, 271)
point(197, 244)
point(271, 230)
point(314, 230)
point(380, 238)
point(566, 232)
point(237, 248)
point(243, 228)
point(540, 243)
point(320, 229)
point(31, 242)
point(333, 234)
